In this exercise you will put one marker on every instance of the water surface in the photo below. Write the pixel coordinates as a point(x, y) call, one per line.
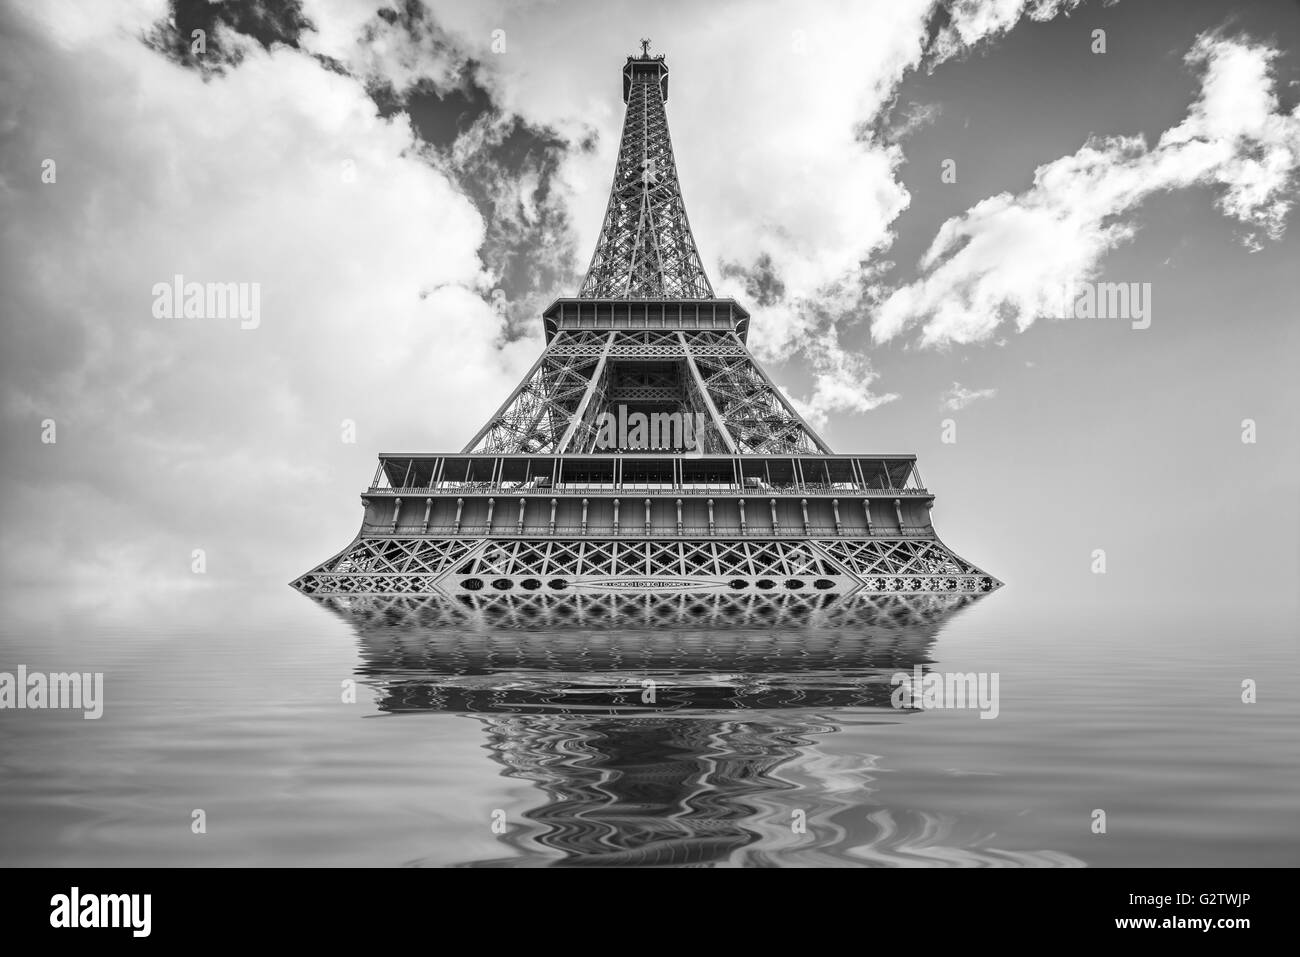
point(530, 742)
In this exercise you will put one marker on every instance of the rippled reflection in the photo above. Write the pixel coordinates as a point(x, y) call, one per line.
point(664, 743)
point(548, 611)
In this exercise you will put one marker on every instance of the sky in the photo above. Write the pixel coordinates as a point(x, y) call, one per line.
point(898, 191)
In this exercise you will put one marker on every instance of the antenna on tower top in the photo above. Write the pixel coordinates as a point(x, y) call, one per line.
point(645, 48)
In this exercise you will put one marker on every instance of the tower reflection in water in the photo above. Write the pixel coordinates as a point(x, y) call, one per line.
point(678, 730)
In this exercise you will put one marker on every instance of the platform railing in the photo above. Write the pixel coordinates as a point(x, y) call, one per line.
point(633, 531)
point(734, 491)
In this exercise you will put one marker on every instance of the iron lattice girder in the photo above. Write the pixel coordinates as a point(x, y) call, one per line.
point(537, 414)
point(560, 400)
point(646, 250)
point(424, 565)
point(757, 414)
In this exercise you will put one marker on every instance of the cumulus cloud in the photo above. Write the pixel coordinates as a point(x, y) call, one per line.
point(842, 381)
point(958, 397)
point(838, 165)
point(1008, 258)
point(956, 27)
point(398, 46)
point(373, 304)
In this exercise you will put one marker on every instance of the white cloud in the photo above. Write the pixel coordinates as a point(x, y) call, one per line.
point(371, 47)
point(1008, 257)
point(972, 21)
point(372, 306)
point(913, 117)
point(842, 382)
point(958, 397)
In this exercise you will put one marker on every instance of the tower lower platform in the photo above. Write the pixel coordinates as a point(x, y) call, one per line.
point(804, 526)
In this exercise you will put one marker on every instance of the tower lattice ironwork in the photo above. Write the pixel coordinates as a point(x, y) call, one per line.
point(646, 250)
point(645, 451)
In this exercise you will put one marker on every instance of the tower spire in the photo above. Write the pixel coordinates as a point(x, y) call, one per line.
point(645, 249)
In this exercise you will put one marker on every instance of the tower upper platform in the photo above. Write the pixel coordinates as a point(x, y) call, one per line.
point(646, 315)
point(648, 68)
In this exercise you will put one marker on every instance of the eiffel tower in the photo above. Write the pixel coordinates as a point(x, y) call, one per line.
point(645, 452)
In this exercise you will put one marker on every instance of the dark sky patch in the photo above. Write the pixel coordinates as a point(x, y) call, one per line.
point(533, 260)
point(269, 22)
point(439, 117)
point(763, 286)
point(939, 19)
point(331, 64)
point(413, 19)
